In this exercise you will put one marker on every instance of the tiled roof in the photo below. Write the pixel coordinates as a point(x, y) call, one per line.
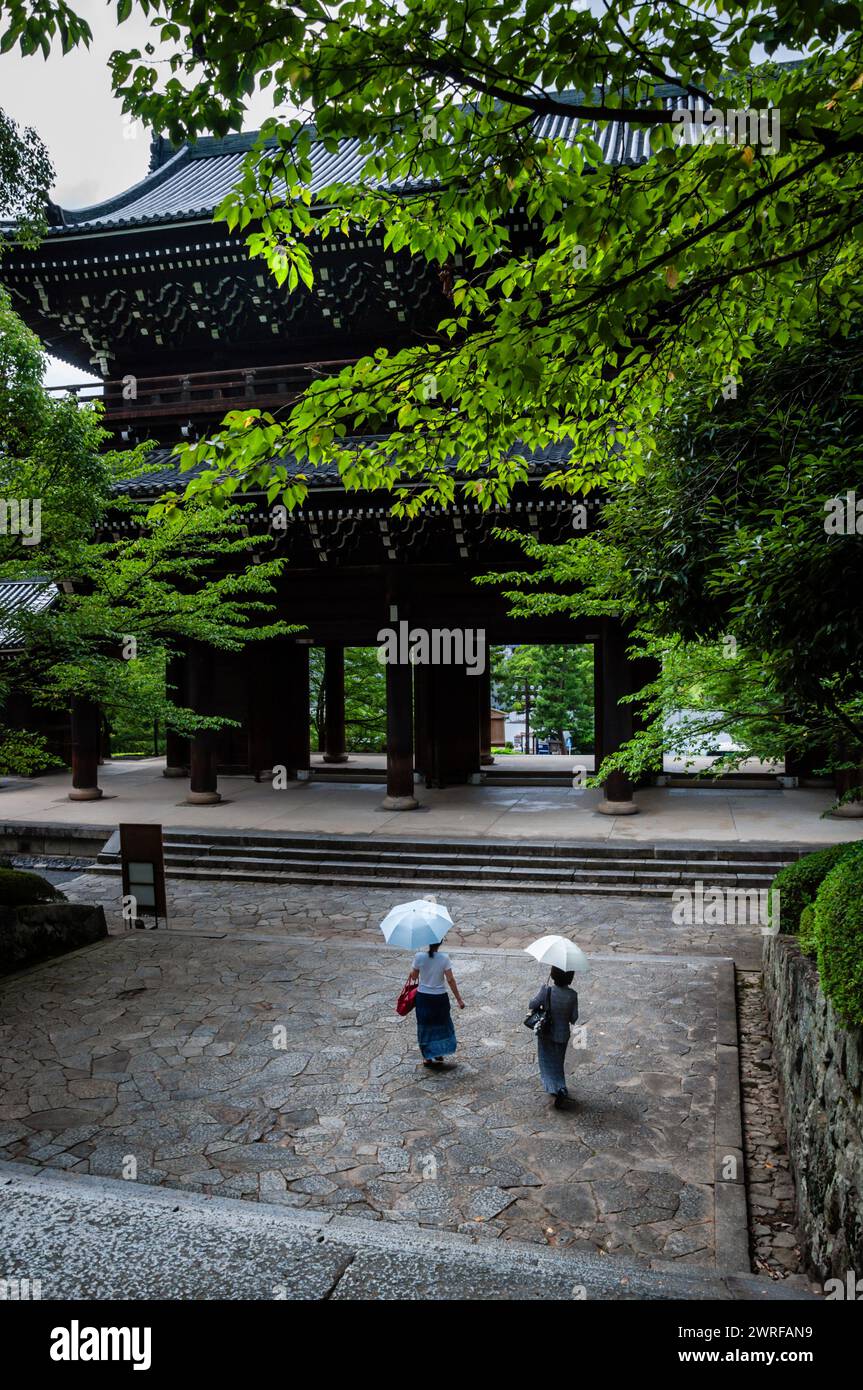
point(167, 473)
point(193, 181)
point(17, 596)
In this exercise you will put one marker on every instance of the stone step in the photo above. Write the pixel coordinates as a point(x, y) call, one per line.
point(461, 865)
point(500, 884)
point(105, 1239)
point(379, 865)
point(373, 854)
point(521, 849)
point(577, 856)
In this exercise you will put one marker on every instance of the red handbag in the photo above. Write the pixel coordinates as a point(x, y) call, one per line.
point(407, 999)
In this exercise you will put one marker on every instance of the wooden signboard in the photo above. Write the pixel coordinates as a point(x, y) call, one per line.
point(144, 871)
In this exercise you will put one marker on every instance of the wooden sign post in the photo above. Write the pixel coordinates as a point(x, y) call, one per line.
point(143, 874)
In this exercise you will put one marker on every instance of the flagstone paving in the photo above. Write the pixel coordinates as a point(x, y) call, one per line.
point(277, 1070)
point(484, 919)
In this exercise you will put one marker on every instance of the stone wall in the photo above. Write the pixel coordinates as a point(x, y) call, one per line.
point(819, 1066)
point(30, 934)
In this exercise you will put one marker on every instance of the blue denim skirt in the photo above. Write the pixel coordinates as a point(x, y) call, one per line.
point(435, 1031)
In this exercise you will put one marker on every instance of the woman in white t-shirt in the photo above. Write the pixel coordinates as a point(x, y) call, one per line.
point(435, 1031)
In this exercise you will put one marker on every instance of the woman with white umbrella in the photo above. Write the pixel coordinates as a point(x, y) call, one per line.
point(425, 923)
point(556, 1005)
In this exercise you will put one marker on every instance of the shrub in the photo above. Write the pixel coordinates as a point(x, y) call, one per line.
point(839, 934)
point(798, 883)
point(807, 938)
point(21, 889)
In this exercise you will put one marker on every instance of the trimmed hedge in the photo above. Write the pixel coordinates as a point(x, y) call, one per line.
point(18, 888)
point(798, 883)
point(807, 940)
point(839, 935)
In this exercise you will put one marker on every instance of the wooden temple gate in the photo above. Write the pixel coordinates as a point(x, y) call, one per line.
point(147, 291)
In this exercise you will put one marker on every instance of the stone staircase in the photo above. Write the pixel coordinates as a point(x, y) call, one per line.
point(457, 865)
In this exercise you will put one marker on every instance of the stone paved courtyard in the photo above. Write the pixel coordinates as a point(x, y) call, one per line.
point(161, 1049)
point(253, 1051)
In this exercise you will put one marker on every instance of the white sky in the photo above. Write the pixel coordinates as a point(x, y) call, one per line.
point(67, 99)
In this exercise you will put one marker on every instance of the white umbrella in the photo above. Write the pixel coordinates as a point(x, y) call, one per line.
point(557, 950)
point(411, 925)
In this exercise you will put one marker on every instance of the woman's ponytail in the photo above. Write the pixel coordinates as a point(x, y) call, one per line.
point(433, 947)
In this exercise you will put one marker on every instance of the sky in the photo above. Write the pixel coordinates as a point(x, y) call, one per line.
point(67, 99)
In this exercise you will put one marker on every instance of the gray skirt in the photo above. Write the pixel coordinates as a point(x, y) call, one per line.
point(551, 1059)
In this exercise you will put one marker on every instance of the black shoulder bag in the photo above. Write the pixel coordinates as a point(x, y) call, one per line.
point(539, 1019)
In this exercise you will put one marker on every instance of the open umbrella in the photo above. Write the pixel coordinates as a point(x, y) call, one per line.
point(416, 924)
point(557, 950)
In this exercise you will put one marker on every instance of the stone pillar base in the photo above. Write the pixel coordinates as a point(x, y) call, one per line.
point(335, 757)
point(486, 760)
point(851, 810)
point(85, 793)
point(618, 808)
point(203, 798)
point(175, 772)
point(399, 803)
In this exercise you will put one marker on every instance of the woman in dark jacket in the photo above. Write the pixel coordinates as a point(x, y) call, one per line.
point(551, 1042)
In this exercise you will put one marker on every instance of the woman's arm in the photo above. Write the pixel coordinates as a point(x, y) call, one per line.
point(450, 979)
point(413, 976)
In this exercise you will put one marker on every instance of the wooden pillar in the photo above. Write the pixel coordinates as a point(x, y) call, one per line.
point(400, 760)
point(291, 720)
point(598, 730)
point(616, 720)
point(423, 722)
point(452, 713)
point(334, 704)
point(485, 754)
point(261, 715)
point(86, 730)
point(176, 744)
point(203, 780)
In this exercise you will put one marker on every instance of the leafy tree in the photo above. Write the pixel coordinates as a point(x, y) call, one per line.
point(553, 684)
point(365, 699)
point(723, 559)
point(639, 275)
point(26, 176)
point(139, 597)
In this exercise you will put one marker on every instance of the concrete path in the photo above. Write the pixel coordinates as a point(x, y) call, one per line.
point(84, 1238)
point(138, 792)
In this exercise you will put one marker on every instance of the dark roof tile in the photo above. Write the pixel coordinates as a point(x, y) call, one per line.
point(192, 181)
